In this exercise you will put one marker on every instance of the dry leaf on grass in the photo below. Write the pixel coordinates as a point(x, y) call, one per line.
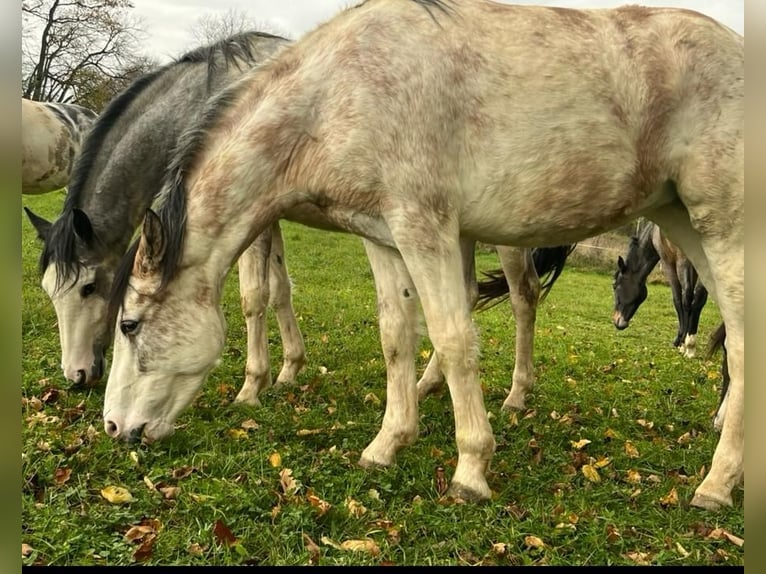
point(590, 473)
point(286, 480)
point(355, 508)
point(580, 444)
point(275, 459)
point(223, 534)
point(670, 499)
point(630, 450)
point(321, 505)
point(61, 475)
point(313, 549)
point(720, 533)
point(534, 542)
point(116, 494)
point(364, 545)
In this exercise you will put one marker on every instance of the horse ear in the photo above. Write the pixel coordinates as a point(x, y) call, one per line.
point(82, 226)
point(151, 245)
point(42, 226)
point(621, 264)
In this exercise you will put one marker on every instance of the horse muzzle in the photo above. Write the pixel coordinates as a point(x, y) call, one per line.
point(619, 321)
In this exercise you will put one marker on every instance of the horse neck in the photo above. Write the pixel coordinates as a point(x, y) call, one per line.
point(646, 254)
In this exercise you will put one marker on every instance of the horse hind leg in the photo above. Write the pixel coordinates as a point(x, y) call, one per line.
point(434, 261)
point(524, 294)
point(293, 347)
point(253, 268)
point(719, 258)
point(397, 318)
point(432, 378)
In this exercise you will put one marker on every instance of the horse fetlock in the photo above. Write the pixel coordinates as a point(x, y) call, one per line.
point(290, 369)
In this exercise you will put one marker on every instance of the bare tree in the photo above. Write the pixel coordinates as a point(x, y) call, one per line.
point(214, 26)
point(65, 42)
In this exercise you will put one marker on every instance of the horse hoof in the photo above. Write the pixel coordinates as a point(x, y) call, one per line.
point(462, 492)
point(708, 502)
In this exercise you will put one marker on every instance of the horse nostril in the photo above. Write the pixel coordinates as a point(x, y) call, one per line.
point(111, 428)
point(80, 379)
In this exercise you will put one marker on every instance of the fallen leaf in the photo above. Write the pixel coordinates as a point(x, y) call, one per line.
point(355, 508)
point(275, 459)
point(590, 473)
point(580, 444)
point(144, 552)
point(364, 545)
point(630, 450)
point(237, 434)
point(61, 475)
point(308, 432)
point(183, 472)
point(633, 476)
point(684, 438)
point(134, 457)
point(195, 549)
point(313, 550)
point(602, 462)
point(670, 499)
point(250, 424)
point(327, 541)
point(500, 548)
point(534, 542)
point(321, 505)
point(371, 398)
point(610, 434)
point(612, 534)
point(645, 423)
point(286, 480)
point(640, 558)
point(223, 534)
point(169, 492)
point(720, 533)
point(116, 494)
point(442, 484)
point(149, 484)
point(681, 550)
point(26, 549)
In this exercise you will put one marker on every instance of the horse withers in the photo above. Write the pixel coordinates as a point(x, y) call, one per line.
point(689, 294)
point(51, 137)
point(417, 123)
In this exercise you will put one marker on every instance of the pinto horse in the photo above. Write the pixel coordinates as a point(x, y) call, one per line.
point(689, 294)
point(135, 134)
point(419, 123)
point(51, 138)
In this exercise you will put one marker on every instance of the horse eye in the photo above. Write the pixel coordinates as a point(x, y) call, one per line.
point(128, 327)
point(88, 289)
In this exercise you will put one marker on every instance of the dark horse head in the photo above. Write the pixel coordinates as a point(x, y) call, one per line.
point(630, 278)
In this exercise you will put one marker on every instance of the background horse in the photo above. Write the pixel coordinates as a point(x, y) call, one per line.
point(689, 294)
point(51, 137)
point(528, 126)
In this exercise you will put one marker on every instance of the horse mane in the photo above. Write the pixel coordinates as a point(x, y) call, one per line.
point(172, 199)
point(641, 250)
point(59, 245)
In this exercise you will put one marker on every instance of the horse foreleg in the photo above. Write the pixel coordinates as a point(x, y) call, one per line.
point(524, 293)
point(397, 317)
point(433, 258)
point(432, 378)
point(675, 289)
point(293, 348)
point(254, 297)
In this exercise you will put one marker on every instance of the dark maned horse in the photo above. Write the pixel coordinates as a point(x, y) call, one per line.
point(689, 294)
point(115, 180)
point(416, 124)
point(51, 137)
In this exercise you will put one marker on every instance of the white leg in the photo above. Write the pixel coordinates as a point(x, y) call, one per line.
point(524, 294)
point(397, 317)
point(254, 297)
point(433, 377)
point(433, 258)
point(293, 348)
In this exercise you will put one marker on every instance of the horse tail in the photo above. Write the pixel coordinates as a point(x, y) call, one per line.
point(549, 263)
point(715, 343)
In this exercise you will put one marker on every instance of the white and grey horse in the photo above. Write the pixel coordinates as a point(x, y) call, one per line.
point(51, 137)
point(135, 135)
point(415, 123)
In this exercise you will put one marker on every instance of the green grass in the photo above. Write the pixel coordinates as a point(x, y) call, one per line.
point(594, 383)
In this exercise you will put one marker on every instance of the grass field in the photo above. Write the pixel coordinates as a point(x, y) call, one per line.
point(597, 471)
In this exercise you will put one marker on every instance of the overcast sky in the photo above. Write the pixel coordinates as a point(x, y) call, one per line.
point(169, 23)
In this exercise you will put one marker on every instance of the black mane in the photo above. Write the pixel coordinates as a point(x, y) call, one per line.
point(60, 244)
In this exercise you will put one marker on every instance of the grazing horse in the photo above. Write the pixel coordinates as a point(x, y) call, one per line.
point(689, 294)
point(115, 180)
point(51, 137)
point(415, 123)
point(81, 248)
